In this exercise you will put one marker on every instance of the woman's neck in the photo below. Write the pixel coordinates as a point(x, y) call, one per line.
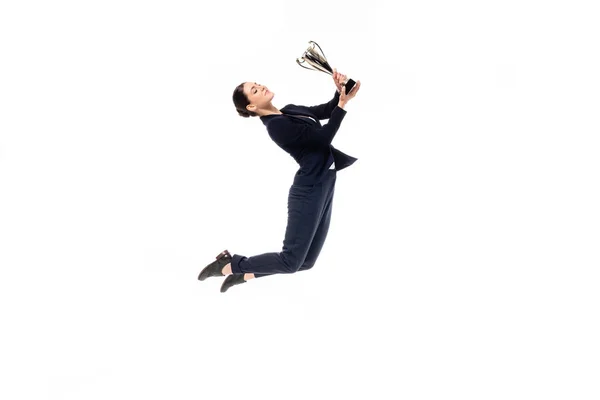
point(269, 111)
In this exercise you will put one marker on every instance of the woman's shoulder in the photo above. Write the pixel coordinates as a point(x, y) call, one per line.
point(295, 107)
point(274, 121)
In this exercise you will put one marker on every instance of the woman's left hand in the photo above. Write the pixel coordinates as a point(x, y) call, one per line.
point(339, 80)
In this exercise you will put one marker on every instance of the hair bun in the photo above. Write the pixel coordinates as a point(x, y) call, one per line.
point(240, 100)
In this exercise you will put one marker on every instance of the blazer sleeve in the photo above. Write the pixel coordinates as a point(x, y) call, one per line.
point(285, 132)
point(324, 111)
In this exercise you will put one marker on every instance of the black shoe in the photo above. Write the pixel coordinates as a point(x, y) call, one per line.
point(231, 280)
point(215, 268)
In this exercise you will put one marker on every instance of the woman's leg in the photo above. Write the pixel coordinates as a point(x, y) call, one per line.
point(318, 240)
point(305, 206)
point(322, 230)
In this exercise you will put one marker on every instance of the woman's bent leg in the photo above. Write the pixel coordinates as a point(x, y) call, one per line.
point(305, 207)
point(323, 228)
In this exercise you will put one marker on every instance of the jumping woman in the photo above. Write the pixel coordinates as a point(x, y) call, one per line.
point(297, 130)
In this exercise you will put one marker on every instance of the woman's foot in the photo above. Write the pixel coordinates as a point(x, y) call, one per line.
point(217, 268)
point(235, 279)
point(232, 280)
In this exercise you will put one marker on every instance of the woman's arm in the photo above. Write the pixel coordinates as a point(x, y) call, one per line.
point(285, 132)
point(324, 111)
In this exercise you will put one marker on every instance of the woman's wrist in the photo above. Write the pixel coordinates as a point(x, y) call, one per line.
point(341, 104)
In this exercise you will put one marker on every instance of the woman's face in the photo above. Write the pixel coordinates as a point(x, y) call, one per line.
point(258, 94)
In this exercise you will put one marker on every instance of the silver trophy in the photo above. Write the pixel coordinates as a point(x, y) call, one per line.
point(316, 59)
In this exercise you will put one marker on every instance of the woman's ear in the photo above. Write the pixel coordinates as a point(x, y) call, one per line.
point(251, 107)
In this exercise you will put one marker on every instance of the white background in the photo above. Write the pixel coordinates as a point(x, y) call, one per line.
point(462, 259)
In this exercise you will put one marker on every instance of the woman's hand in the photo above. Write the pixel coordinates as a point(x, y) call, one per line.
point(345, 97)
point(339, 80)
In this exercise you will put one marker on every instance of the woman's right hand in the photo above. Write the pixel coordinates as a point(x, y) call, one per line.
point(345, 97)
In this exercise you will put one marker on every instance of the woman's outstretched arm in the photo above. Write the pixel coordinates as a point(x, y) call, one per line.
point(323, 111)
point(285, 132)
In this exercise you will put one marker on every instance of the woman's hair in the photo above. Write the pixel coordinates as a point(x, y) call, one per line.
point(241, 101)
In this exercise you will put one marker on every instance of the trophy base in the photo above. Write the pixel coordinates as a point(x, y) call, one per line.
point(349, 85)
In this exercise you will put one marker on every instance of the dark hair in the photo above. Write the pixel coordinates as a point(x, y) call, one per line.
point(240, 100)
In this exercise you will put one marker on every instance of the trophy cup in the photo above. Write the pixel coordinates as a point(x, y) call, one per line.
point(316, 59)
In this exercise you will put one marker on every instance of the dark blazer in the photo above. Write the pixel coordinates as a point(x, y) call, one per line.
point(307, 141)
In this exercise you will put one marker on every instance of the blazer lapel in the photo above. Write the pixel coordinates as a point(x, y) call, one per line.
point(301, 113)
point(304, 118)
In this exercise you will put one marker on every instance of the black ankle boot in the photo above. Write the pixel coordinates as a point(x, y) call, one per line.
point(215, 268)
point(231, 280)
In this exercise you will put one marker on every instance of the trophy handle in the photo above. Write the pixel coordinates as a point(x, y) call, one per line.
point(300, 64)
point(320, 49)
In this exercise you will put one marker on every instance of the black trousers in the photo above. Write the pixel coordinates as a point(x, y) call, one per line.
point(309, 214)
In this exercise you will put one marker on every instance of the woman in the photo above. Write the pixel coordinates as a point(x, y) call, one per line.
point(297, 130)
